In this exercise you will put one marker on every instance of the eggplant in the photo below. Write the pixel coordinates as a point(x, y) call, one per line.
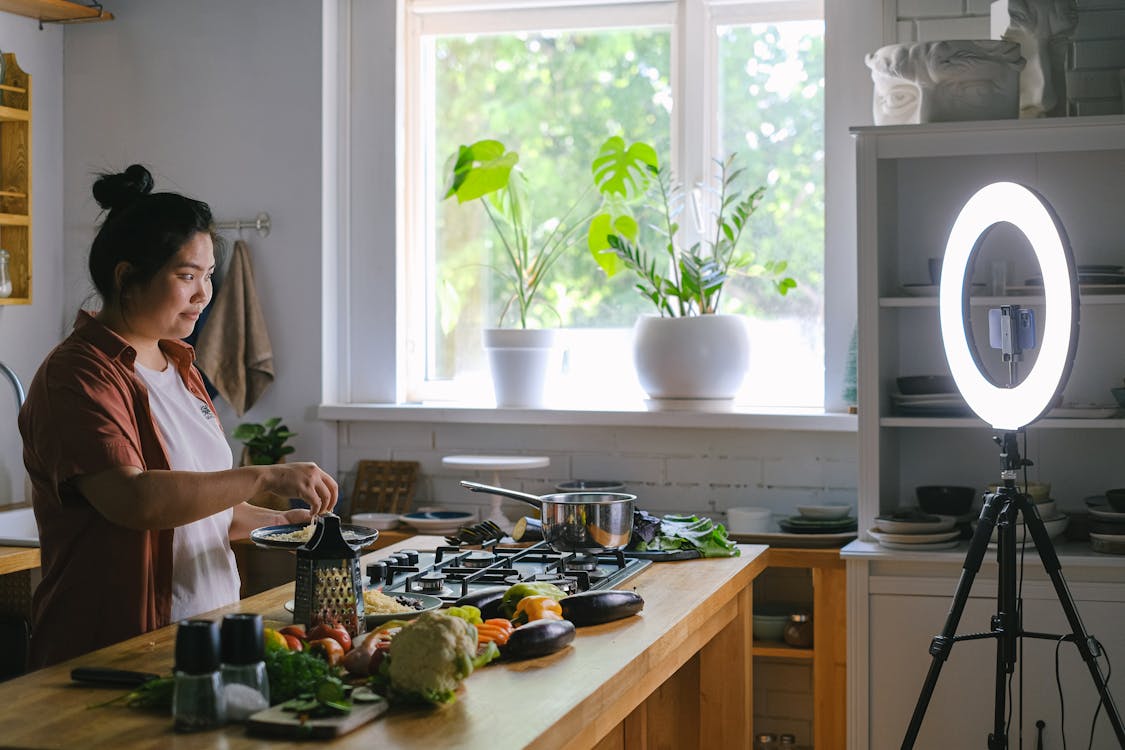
point(538, 638)
point(528, 529)
point(596, 607)
point(486, 600)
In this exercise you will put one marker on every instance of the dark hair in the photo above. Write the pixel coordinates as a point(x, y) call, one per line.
point(143, 228)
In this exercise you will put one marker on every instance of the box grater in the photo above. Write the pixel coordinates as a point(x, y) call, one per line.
point(329, 582)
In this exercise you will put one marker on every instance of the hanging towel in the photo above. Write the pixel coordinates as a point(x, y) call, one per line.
point(234, 348)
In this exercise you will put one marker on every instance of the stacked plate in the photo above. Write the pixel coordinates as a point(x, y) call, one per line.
point(819, 519)
point(928, 396)
point(915, 531)
point(1107, 527)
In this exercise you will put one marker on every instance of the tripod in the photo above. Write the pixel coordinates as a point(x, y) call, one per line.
point(1007, 504)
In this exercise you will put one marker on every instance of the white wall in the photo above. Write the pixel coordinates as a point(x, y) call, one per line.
point(27, 332)
point(223, 102)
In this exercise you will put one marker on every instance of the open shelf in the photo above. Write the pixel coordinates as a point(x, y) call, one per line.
point(775, 650)
point(55, 11)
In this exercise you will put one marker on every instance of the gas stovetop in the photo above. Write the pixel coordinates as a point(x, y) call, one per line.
point(452, 572)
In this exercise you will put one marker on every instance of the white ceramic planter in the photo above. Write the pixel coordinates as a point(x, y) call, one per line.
point(700, 357)
point(518, 359)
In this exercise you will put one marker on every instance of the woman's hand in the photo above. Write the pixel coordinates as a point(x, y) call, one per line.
point(297, 516)
point(304, 480)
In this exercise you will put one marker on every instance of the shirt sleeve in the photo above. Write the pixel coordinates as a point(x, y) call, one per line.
point(90, 422)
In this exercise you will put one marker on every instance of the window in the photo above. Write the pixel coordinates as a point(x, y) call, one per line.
point(552, 80)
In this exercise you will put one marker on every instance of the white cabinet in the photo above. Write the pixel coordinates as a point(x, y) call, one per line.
point(912, 182)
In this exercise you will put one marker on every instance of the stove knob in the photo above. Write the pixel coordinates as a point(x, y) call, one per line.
point(411, 556)
point(376, 571)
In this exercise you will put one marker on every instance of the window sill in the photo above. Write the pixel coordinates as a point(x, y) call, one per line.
point(740, 418)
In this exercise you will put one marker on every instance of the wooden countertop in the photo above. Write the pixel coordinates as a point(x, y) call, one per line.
point(567, 700)
point(15, 559)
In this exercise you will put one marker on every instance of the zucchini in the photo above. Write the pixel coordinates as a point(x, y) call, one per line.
point(595, 607)
point(486, 600)
point(538, 638)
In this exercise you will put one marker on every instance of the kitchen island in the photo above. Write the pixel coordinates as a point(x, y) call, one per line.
point(678, 675)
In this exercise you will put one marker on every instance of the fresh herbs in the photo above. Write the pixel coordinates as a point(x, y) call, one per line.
point(677, 532)
point(154, 694)
point(295, 673)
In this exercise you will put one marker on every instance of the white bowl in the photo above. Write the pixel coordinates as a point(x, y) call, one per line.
point(748, 520)
point(825, 512)
point(1054, 527)
point(438, 521)
point(380, 521)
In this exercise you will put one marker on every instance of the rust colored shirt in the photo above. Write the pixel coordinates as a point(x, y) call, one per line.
point(87, 411)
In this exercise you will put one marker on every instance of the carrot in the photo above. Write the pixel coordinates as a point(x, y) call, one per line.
point(496, 630)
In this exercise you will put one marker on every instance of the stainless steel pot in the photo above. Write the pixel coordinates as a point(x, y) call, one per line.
point(582, 522)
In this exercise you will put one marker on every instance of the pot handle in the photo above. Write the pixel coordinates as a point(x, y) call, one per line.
point(523, 497)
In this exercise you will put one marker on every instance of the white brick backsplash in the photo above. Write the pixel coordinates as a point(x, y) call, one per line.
point(796, 472)
point(938, 29)
point(691, 470)
point(929, 8)
point(905, 31)
point(398, 435)
point(978, 7)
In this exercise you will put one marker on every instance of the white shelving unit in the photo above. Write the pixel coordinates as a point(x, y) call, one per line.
point(912, 182)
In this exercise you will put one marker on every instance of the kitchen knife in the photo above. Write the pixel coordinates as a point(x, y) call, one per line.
point(115, 677)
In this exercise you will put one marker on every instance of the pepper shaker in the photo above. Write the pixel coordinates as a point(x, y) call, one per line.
point(799, 631)
point(198, 702)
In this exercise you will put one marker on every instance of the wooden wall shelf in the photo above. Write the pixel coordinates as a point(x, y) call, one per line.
point(55, 11)
point(15, 177)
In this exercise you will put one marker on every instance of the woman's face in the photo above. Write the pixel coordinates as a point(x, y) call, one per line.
point(168, 307)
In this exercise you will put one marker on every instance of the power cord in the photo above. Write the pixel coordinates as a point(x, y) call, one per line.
point(1062, 703)
point(1101, 702)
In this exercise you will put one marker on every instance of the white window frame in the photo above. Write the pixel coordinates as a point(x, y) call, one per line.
point(365, 290)
point(693, 138)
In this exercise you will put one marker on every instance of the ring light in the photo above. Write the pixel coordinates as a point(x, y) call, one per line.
point(1010, 408)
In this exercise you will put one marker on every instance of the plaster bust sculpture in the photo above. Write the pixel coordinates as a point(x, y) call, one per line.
point(1043, 29)
point(945, 81)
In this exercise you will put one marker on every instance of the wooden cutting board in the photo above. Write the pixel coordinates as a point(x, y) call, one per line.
point(276, 722)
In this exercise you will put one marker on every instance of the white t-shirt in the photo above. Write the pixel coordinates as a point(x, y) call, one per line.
point(204, 574)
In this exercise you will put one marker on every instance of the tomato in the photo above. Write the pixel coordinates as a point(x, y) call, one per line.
point(335, 632)
point(293, 642)
point(328, 648)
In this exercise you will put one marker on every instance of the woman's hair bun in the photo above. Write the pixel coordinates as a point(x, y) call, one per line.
point(118, 190)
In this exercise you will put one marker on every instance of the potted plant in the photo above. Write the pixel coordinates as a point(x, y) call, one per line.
point(264, 443)
point(688, 349)
point(518, 357)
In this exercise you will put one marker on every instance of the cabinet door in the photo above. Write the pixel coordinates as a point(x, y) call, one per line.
point(960, 713)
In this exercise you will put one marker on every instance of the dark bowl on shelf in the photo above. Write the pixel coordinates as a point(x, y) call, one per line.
point(918, 385)
point(1116, 499)
point(945, 500)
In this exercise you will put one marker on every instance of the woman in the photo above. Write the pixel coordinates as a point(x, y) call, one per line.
point(133, 489)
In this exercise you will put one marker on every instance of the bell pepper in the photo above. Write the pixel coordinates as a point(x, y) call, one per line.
point(532, 608)
point(532, 588)
point(465, 612)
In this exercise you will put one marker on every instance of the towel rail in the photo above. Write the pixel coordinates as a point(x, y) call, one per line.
point(261, 223)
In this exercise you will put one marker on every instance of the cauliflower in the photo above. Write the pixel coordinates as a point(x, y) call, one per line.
point(430, 656)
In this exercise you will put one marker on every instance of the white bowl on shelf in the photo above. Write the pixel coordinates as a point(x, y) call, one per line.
point(379, 521)
point(438, 520)
point(748, 520)
point(828, 512)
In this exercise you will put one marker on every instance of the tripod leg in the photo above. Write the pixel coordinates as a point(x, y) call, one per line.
point(1081, 639)
point(942, 644)
point(1005, 623)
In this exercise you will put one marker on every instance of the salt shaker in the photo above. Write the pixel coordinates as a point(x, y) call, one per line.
point(245, 683)
point(198, 701)
point(5, 274)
